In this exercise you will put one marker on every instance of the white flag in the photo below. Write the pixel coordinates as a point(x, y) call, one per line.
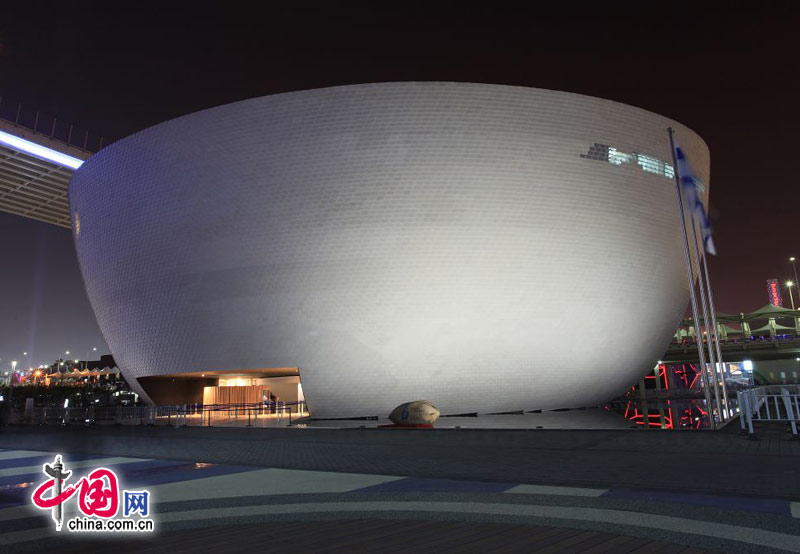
point(689, 184)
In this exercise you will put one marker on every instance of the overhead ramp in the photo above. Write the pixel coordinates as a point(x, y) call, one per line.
point(35, 171)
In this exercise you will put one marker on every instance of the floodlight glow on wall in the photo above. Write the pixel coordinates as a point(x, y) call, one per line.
point(39, 151)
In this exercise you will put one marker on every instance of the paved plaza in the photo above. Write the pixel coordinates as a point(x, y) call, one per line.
point(394, 491)
point(704, 462)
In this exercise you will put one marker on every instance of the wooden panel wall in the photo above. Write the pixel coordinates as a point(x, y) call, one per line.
point(233, 395)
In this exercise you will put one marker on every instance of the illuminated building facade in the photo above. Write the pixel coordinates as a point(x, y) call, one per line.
point(478, 246)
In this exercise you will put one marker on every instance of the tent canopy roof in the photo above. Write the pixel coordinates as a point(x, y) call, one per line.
point(763, 313)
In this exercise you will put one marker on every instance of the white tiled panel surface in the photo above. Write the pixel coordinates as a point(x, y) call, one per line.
point(395, 241)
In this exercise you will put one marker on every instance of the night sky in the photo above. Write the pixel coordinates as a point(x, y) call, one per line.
point(117, 67)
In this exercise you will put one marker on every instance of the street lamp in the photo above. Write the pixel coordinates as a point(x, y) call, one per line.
point(86, 361)
point(789, 286)
point(11, 380)
point(794, 269)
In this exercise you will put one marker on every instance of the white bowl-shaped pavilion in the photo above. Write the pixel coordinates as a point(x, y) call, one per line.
point(488, 248)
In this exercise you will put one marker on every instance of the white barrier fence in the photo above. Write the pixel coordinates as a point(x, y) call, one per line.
point(772, 403)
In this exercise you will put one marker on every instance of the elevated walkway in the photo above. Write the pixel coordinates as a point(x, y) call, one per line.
point(36, 165)
point(738, 350)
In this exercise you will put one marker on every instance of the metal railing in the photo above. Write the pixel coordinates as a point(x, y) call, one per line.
point(209, 415)
point(771, 403)
point(40, 124)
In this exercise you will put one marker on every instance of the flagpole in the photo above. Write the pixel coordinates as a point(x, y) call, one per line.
point(706, 319)
point(690, 276)
point(726, 400)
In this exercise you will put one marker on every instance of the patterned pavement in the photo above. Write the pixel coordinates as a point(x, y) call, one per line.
point(199, 507)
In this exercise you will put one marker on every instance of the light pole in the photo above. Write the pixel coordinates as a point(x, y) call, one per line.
point(10, 382)
point(86, 361)
point(789, 285)
point(794, 269)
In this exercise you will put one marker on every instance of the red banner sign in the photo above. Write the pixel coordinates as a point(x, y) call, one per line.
point(774, 293)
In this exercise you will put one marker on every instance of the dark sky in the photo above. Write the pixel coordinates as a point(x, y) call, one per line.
point(117, 67)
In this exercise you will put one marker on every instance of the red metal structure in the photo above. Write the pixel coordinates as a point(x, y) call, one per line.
point(672, 412)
